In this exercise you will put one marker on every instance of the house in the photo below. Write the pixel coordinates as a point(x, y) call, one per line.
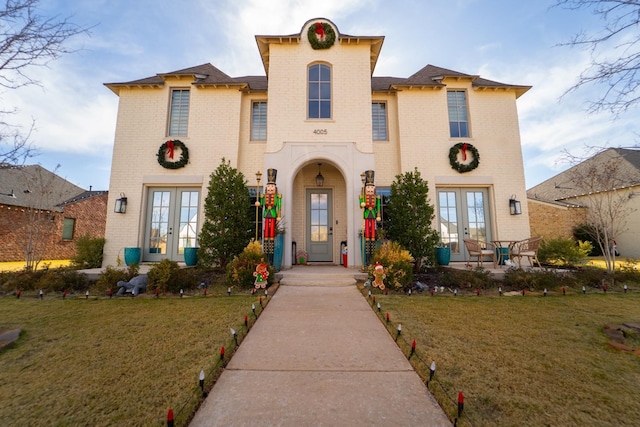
point(320, 119)
point(43, 214)
point(583, 192)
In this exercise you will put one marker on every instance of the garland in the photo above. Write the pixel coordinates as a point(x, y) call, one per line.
point(321, 35)
point(167, 149)
point(464, 167)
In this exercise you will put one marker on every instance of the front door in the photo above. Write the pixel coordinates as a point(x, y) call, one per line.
point(319, 225)
point(171, 223)
point(463, 214)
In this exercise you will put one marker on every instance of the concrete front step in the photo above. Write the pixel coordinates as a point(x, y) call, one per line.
point(320, 275)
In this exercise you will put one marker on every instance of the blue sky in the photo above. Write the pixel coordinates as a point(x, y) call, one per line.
point(505, 40)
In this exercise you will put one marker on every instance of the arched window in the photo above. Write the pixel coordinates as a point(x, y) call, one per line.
point(319, 94)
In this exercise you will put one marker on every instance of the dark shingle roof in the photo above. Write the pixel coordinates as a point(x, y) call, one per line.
point(83, 196)
point(208, 75)
point(561, 186)
point(34, 187)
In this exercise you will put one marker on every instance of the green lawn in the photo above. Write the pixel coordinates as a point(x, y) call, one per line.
point(529, 360)
point(104, 362)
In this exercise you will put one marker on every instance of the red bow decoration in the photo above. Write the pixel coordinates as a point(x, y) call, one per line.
point(320, 30)
point(170, 146)
point(464, 151)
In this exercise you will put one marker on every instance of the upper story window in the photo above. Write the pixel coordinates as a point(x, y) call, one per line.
point(179, 112)
point(319, 92)
point(458, 116)
point(259, 121)
point(379, 121)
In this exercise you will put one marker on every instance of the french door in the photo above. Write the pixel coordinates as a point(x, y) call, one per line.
point(463, 213)
point(171, 222)
point(319, 225)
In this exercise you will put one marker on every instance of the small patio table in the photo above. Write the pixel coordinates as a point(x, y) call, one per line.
point(503, 249)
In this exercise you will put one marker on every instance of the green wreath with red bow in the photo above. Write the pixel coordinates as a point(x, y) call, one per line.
point(467, 150)
point(321, 35)
point(167, 151)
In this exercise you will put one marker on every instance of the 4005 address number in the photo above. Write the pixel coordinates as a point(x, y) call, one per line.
point(320, 131)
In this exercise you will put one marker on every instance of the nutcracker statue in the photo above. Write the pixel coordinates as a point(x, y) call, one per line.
point(271, 203)
point(370, 203)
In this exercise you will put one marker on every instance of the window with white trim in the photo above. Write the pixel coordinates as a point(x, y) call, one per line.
point(259, 121)
point(179, 112)
point(379, 121)
point(319, 92)
point(458, 115)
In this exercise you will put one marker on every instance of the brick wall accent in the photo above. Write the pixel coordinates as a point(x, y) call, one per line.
point(90, 215)
point(554, 221)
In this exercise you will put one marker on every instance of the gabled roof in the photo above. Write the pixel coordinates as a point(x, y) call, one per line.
point(33, 186)
point(433, 76)
point(561, 186)
point(85, 195)
point(208, 75)
point(374, 42)
point(201, 75)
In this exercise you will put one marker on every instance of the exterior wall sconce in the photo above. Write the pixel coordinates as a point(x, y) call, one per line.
point(319, 177)
point(514, 206)
point(121, 204)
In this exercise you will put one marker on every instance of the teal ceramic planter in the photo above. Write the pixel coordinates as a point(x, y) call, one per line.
point(132, 256)
point(277, 251)
point(190, 256)
point(443, 256)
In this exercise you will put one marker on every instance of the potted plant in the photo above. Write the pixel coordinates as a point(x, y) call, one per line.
point(443, 253)
point(279, 244)
point(302, 257)
point(132, 255)
point(190, 252)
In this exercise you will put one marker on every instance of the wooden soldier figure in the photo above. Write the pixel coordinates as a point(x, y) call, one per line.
point(370, 204)
point(271, 203)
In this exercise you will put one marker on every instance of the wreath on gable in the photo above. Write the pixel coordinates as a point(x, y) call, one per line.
point(321, 35)
point(167, 150)
point(465, 149)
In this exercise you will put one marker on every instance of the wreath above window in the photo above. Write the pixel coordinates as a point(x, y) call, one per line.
point(321, 35)
point(166, 151)
point(466, 151)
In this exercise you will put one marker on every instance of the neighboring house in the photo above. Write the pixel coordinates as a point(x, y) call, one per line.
point(317, 112)
point(559, 204)
point(45, 214)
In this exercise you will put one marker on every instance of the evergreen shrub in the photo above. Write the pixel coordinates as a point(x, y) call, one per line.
point(397, 262)
point(240, 270)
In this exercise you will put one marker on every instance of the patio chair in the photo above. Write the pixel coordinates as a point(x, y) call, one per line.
point(527, 248)
point(480, 249)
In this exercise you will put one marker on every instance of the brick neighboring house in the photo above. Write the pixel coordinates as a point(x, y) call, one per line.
point(31, 196)
point(560, 203)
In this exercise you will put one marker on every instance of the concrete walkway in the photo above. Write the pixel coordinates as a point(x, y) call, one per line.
point(319, 356)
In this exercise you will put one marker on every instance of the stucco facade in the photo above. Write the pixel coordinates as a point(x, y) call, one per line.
point(341, 146)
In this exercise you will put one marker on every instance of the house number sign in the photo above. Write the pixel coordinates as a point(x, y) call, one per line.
point(320, 131)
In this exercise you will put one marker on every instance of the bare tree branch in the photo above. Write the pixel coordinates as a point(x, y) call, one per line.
point(620, 36)
point(27, 40)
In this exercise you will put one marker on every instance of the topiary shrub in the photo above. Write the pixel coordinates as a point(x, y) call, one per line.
point(397, 262)
point(564, 252)
point(161, 274)
point(518, 279)
point(88, 252)
point(477, 278)
point(240, 270)
point(628, 272)
point(110, 277)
